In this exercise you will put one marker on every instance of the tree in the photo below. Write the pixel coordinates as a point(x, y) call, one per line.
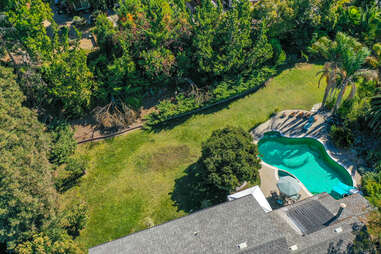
point(27, 195)
point(297, 23)
point(142, 54)
point(75, 219)
point(28, 18)
point(329, 73)
point(361, 19)
point(63, 143)
point(227, 42)
point(43, 243)
point(375, 114)
point(229, 158)
point(349, 56)
point(106, 35)
point(69, 82)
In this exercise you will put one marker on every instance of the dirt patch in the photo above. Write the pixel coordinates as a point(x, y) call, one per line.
point(163, 158)
point(304, 66)
point(86, 44)
point(87, 128)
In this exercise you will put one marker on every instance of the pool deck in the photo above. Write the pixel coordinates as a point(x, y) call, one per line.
point(292, 127)
point(269, 178)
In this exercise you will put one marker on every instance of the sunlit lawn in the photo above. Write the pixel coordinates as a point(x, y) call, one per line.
point(130, 178)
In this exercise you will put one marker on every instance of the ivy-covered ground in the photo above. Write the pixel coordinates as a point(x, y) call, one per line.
point(130, 180)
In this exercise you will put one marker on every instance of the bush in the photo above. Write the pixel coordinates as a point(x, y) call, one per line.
point(74, 169)
point(75, 219)
point(229, 158)
point(371, 184)
point(167, 110)
point(63, 145)
point(341, 136)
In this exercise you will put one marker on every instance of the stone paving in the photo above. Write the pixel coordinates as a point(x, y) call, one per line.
point(290, 124)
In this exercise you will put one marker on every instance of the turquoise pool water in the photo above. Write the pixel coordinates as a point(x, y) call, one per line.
point(305, 158)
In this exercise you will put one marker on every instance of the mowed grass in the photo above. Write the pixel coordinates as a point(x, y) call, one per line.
point(130, 178)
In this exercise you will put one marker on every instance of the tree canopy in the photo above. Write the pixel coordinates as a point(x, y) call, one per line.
point(27, 201)
point(229, 158)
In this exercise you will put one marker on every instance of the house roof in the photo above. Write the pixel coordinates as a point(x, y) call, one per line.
point(222, 228)
point(219, 229)
point(320, 240)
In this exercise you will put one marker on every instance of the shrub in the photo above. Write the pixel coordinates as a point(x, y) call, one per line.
point(167, 110)
point(342, 137)
point(371, 184)
point(74, 169)
point(229, 158)
point(75, 219)
point(63, 144)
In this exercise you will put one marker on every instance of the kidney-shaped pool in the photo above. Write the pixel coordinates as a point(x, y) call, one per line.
point(306, 158)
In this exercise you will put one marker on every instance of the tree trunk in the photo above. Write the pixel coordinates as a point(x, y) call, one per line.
point(353, 91)
point(327, 90)
point(325, 96)
point(340, 96)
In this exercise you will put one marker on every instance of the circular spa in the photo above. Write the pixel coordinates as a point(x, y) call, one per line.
point(306, 159)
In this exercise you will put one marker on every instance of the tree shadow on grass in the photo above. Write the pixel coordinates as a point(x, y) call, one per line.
point(192, 193)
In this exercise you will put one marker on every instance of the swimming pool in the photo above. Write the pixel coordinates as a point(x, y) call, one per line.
point(306, 158)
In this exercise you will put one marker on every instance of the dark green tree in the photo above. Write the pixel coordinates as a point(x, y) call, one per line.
point(28, 20)
point(27, 195)
point(228, 42)
point(229, 158)
point(69, 82)
point(63, 143)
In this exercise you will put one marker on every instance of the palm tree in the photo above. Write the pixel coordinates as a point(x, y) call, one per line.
point(329, 73)
point(375, 114)
point(352, 57)
point(346, 56)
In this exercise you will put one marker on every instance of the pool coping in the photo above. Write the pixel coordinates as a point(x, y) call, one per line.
point(323, 139)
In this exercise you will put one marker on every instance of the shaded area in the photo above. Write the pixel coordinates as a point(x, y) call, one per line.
point(192, 193)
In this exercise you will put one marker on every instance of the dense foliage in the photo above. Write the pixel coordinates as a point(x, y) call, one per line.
point(30, 216)
point(189, 59)
point(346, 58)
point(186, 103)
point(229, 158)
point(27, 194)
point(63, 143)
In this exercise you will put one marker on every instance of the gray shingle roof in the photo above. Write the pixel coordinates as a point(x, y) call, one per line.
point(219, 230)
point(272, 247)
point(319, 241)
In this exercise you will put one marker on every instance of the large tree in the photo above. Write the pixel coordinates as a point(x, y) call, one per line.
point(28, 18)
point(69, 82)
point(346, 58)
point(229, 158)
point(227, 42)
point(27, 196)
point(298, 22)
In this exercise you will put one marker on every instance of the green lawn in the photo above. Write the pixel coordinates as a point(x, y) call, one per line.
point(130, 178)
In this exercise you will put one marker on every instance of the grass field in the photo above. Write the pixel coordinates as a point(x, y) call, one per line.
point(130, 178)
